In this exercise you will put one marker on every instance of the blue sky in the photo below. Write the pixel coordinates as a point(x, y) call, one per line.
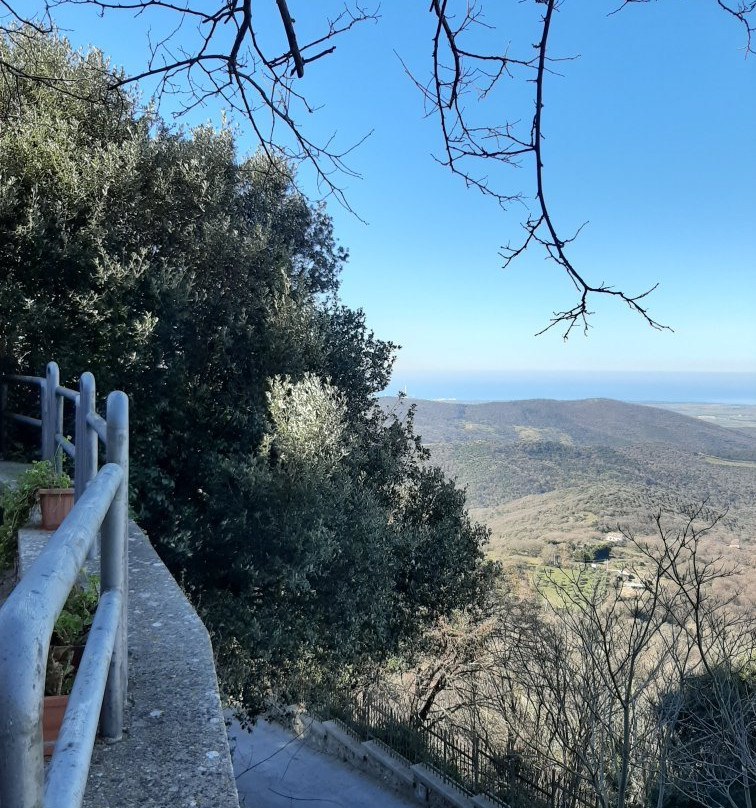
point(650, 138)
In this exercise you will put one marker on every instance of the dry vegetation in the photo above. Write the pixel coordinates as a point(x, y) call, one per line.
point(550, 478)
point(628, 691)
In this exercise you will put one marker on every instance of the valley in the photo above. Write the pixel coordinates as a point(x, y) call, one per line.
point(551, 478)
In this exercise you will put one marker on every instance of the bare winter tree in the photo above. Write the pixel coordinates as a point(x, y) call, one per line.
point(577, 692)
point(711, 729)
point(636, 692)
point(227, 49)
point(611, 690)
point(708, 719)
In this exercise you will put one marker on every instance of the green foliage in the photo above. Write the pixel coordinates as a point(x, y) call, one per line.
point(69, 634)
point(17, 501)
point(333, 556)
point(307, 420)
point(300, 516)
point(73, 623)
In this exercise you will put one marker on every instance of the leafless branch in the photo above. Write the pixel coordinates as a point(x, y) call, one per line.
point(234, 59)
point(460, 72)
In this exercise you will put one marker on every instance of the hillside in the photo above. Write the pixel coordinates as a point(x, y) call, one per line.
point(554, 475)
point(592, 422)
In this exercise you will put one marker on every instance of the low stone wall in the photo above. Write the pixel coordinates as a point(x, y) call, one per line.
point(174, 752)
point(415, 781)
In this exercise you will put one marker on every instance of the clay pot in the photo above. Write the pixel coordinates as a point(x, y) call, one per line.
point(55, 504)
point(53, 710)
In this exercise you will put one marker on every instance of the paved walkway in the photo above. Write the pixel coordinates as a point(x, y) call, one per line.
point(9, 471)
point(275, 769)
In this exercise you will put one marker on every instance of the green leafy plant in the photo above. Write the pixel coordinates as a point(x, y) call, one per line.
point(69, 635)
point(17, 501)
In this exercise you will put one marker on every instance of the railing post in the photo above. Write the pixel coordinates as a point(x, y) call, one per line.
point(46, 445)
point(114, 563)
point(85, 464)
point(52, 415)
point(85, 467)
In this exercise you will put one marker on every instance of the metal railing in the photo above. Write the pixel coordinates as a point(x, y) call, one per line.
point(28, 616)
point(460, 760)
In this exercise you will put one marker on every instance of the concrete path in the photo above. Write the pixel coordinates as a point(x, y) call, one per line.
point(10, 471)
point(275, 769)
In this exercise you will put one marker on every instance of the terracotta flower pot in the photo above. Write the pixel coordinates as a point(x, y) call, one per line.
point(55, 504)
point(53, 710)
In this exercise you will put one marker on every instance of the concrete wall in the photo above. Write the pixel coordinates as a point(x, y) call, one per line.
point(174, 752)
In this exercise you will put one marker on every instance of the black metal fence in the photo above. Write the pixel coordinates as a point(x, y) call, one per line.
point(461, 759)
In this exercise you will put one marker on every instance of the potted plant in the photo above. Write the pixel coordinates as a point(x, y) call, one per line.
point(55, 503)
point(66, 649)
point(55, 495)
point(17, 501)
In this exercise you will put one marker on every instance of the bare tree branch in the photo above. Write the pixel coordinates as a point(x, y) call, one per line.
point(233, 58)
point(459, 72)
point(244, 70)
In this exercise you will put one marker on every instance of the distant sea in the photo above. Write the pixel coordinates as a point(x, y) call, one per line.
point(639, 386)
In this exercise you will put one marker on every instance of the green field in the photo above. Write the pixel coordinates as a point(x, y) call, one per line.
point(560, 585)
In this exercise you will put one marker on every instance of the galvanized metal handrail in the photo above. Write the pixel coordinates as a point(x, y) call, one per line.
point(28, 616)
point(51, 397)
point(89, 425)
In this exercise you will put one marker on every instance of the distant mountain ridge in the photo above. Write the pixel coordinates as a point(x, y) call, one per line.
point(542, 472)
point(589, 422)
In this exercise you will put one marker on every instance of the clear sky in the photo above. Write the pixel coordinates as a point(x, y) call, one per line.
point(650, 138)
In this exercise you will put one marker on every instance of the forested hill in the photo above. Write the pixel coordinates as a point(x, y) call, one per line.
point(591, 422)
point(545, 472)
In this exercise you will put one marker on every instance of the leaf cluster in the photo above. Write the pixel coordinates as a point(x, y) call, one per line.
point(69, 634)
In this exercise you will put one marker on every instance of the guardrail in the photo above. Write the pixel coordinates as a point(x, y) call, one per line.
point(28, 616)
